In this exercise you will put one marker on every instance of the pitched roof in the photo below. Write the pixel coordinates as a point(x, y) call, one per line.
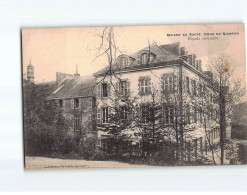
point(74, 87)
point(163, 53)
point(50, 86)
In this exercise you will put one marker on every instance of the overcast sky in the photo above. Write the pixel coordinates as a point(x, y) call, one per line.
point(54, 50)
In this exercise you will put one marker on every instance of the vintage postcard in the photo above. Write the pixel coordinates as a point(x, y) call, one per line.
point(134, 96)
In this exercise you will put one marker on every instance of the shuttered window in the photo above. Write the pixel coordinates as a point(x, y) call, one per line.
point(123, 62)
point(77, 122)
point(168, 114)
point(105, 115)
point(72, 103)
point(91, 102)
point(104, 90)
point(188, 114)
point(193, 85)
point(124, 112)
point(188, 84)
point(169, 82)
point(145, 114)
point(144, 58)
point(144, 85)
point(98, 116)
point(62, 104)
point(195, 114)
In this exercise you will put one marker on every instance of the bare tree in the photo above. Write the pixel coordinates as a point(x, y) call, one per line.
point(228, 92)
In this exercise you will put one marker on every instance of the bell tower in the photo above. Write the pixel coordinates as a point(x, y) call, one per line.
point(30, 72)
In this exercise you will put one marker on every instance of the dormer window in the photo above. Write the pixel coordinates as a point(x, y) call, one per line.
point(123, 62)
point(144, 58)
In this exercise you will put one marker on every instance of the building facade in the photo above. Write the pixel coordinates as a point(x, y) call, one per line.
point(76, 99)
point(167, 75)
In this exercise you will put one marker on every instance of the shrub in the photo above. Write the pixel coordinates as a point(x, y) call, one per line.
point(242, 153)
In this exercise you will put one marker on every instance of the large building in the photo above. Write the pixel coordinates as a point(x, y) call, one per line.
point(184, 90)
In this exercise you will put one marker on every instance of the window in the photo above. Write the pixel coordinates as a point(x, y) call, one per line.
point(105, 117)
point(76, 103)
point(194, 86)
point(188, 114)
point(144, 86)
point(61, 104)
point(195, 114)
point(91, 102)
point(77, 122)
point(168, 83)
point(104, 90)
point(124, 113)
point(72, 103)
point(168, 114)
point(188, 84)
point(204, 90)
point(147, 114)
point(200, 89)
point(123, 62)
point(98, 116)
point(123, 87)
point(143, 58)
point(200, 115)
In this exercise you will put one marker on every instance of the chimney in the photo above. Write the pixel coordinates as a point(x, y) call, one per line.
point(183, 54)
point(193, 60)
point(197, 64)
point(182, 51)
point(190, 59)
point(76, 74)
point(200, 65)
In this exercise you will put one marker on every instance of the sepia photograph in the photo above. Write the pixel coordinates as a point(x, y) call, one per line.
point(134, 96)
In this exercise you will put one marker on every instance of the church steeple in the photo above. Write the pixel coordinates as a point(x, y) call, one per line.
point(30, 72)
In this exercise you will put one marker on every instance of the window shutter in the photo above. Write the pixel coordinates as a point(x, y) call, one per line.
point(109, 114)
point(149, 85)
point(99, 90)
point(73, 125)
point(138, 112)
point(80, 102)
point(138, 60)
point(108, 89)
point(139, 86)
point(175, 82)
point(117, 87)
point(128, 87)
point(89, 102)
point(64, 103)
point(192, 86)
point(72, 103)
point(98, 116)
point(162, 121)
